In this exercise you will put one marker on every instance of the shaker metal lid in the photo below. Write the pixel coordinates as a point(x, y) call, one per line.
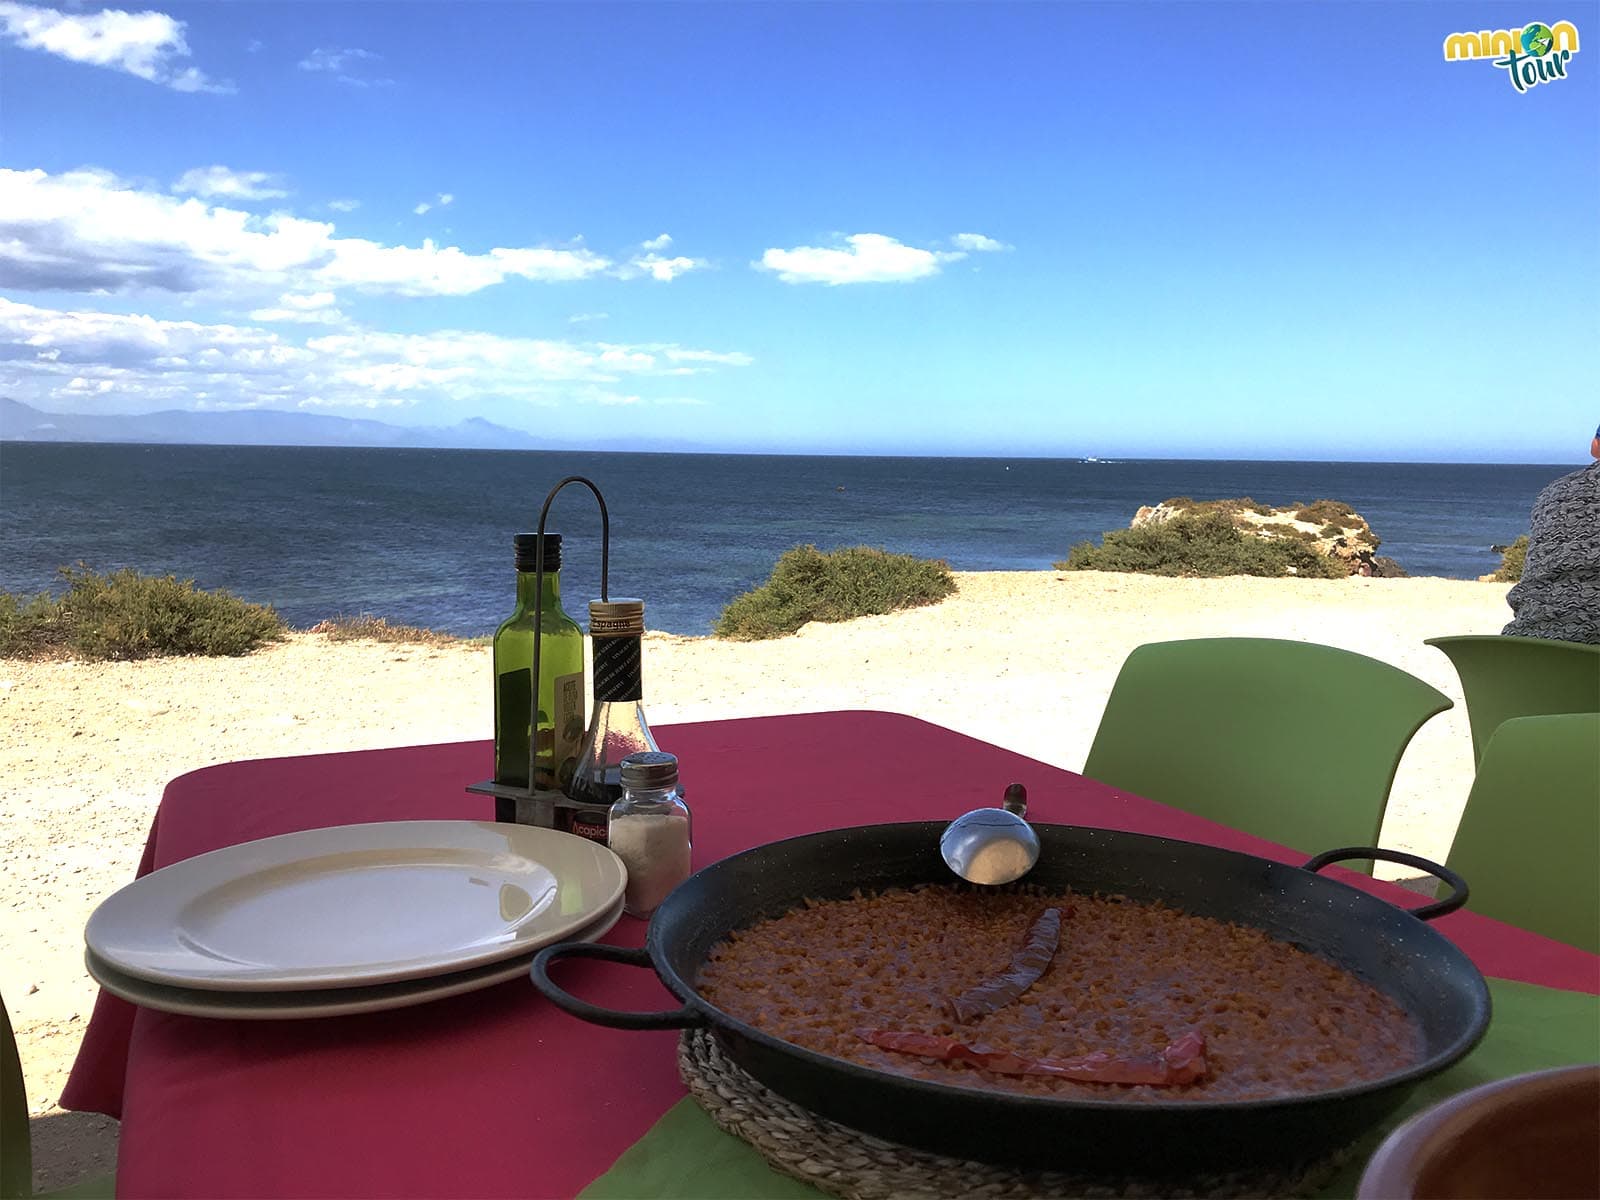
point(616, 618)
point(650, 769)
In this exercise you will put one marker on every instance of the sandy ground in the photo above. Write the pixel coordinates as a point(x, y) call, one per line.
point(1022, 659)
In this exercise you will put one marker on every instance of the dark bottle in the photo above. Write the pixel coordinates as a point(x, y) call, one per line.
point(560, 703)
point(617, 727)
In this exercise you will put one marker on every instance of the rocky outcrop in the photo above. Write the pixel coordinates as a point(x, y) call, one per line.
point(1330, 527)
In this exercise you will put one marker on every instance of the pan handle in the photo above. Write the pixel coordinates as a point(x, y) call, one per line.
point(1425, 912)
point(683, 1018)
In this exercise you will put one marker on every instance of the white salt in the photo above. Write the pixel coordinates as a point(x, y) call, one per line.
point(655, 849)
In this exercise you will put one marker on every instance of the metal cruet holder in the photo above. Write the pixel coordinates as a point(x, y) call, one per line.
point(542, 803)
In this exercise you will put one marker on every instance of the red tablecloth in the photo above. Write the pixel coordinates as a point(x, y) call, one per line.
point(497, 1093)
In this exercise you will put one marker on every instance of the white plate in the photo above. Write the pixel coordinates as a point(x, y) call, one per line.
point(355, 906)
point(323, 1002)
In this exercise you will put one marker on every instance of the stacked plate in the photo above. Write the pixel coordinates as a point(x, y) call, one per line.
point(355, 918)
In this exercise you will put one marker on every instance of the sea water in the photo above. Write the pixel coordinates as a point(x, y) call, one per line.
point(423, 537)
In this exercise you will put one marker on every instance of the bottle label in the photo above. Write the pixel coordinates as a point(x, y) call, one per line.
point(591, 823)
point(569, 722)
point(512, 725)
point(617, 671)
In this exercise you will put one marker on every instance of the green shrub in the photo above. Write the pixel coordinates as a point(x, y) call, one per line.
point(1272, 529)
point(1331, 530)
point(1326, 512)
point(31, 626)
point(1192, 507)
point(809, 585)
point(1206, 545)
point(127, 615)
point(1510, 570)
point(366, 627)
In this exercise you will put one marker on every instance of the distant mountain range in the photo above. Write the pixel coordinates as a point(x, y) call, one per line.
point(264, 427)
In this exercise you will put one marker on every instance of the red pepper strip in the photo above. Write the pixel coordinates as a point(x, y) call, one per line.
point(1184, 1061)
point(1027, 964)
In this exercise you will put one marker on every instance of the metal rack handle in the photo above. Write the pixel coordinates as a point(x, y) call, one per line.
point(538, 596)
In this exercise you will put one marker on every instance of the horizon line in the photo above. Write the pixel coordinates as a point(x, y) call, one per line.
point(1077, 459)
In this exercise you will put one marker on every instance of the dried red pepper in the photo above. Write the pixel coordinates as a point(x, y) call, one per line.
point(1027, 964)
point(1183, 1061)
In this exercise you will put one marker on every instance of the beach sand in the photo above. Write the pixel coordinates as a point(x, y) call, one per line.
point(1021, 659)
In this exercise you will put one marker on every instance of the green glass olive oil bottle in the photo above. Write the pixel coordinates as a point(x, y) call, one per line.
point(551, 725)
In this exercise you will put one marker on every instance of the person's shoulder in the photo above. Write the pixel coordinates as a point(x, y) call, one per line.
point(1584, 483)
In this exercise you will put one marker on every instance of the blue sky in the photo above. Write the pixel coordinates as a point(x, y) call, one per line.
point(1188, 230)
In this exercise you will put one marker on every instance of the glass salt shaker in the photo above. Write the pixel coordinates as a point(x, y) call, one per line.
point(650, 830)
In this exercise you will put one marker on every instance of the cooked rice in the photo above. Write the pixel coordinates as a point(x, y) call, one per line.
point(1128, 978)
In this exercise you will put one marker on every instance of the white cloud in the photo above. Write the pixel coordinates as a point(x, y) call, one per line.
point(978, 242)
point(660, 267)
point(318, 308)
point(676, 354)
point(334, 61)
point(445, 198)
point(306, 303)
point(143, 44)
point(343, 65)
point(220, 182)
point(88, 231)
point(421, 208)
point(54, 358)
point(344, 205)
point(441, 200)
point(660, 242)
point(585, 317)
point(863, 258)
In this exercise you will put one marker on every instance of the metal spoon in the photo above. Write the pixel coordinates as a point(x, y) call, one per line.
point(992, 845)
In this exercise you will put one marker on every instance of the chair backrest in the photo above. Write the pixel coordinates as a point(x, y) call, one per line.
point(1529, 840)
point(16, 1153)
point(1290, 741)
point(1504, 677)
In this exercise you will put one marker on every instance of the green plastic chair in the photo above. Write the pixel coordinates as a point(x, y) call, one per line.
point(1290, 741)
point(1504, 677)
point(1529, 840)
point(16, 1148)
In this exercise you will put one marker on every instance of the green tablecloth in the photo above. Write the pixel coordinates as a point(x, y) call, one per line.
point(686, 1156)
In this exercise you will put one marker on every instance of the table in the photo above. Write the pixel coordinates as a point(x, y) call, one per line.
point(497, 1093)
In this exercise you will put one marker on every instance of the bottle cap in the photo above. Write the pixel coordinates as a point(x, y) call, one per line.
point(616, 618)
point(650, 769)
point(526, 546)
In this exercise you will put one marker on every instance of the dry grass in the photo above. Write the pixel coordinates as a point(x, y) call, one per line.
point(364, 627)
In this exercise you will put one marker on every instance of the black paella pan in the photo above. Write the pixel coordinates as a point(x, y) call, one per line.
point(1388, 947)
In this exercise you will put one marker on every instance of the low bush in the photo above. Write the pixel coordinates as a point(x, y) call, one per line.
point(31, 626)
point(366, 627)
point(1510, 569)
point(1189, 506)
point(126, 615)
point(1205, 545)
point(1275, 529)
point(809, 585)
point(1326, 512)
